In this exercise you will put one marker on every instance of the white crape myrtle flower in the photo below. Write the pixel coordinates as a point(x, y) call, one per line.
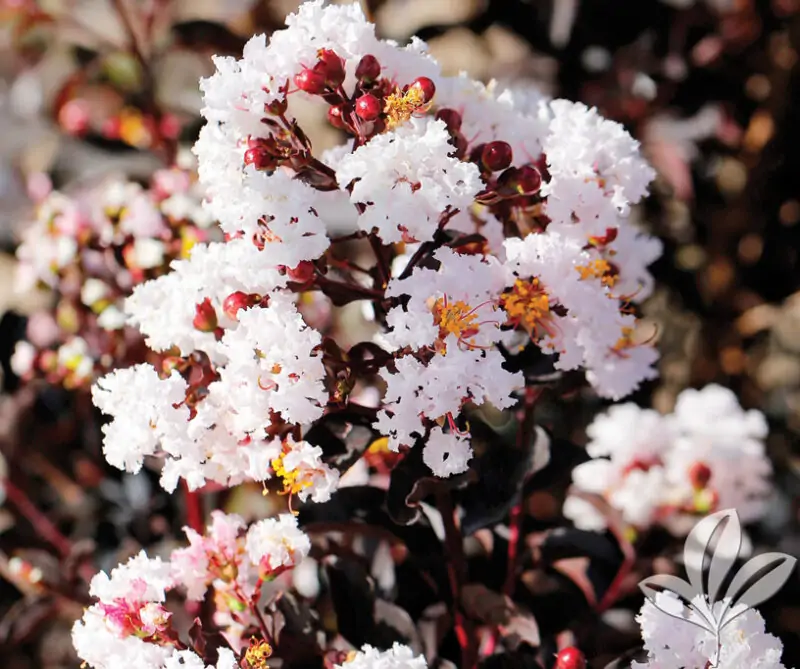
point(591, 332)
point(271, 366)
point(446, 453)
point(187, 659)
point(164, 309)
point(406, 179)
point(431, 391)
point(146, 411)
point(458, 298)
point(23, 358)
point(141, 578)
point(306, 474)
point(277, 542)
point(398, 656)
point(672, 643)
point(100, 648)
point(653, 468)
point(596, 170)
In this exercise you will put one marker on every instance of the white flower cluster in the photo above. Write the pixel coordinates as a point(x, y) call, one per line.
point(397, 657)
point(92, 247)
point(709, 453)
point(673, 642)
point(130, 626)
point(430, 160)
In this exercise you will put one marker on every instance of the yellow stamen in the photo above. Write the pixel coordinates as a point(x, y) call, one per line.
point(527, 304)
point(291, 479)
point(401, 106)
point(258, 653)
point(456, 318)
point(598, 269)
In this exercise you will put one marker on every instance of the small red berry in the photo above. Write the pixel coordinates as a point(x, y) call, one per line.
point(369, 69)
point(303, 273)
point(699, 475)
point(368, 107)
point(528, 180)
point(570, 658)
point(337, 115)
point(497, 156)
point(331, 67)
point(425, 86)
point(205, 318)
point(451, 118)
point(239, 300)
point(310, 81)
point(259, 159)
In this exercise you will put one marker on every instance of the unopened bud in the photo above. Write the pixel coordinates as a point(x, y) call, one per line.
point(369, 69)
point(368, 107)
point(310, 81)
point(331, 67)
point(451, 118)
point(239, 300)
point(303, 273)
point(570, 658)
point(497, 156)
point(205, 318)
point(699, 475)
point(425, 86)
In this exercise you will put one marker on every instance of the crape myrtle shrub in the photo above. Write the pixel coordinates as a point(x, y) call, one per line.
point(422, 437)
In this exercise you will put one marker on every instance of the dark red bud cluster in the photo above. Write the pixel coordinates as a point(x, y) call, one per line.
point(327, 74)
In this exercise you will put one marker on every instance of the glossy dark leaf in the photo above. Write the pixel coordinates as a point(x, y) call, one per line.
point(353, 595)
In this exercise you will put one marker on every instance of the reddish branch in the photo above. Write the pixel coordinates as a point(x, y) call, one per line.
point(44, 527)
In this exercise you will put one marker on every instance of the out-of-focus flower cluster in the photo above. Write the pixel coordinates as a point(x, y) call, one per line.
point(709, 454)
point(498, 222)
point(674, 641)
point(92, 247)
point(131, 624)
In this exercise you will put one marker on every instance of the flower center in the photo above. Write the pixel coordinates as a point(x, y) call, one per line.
point(257, 654)
point(399, 106)
point(293, 480)
point(598, 269)
point(528, 304)
point(456, 318)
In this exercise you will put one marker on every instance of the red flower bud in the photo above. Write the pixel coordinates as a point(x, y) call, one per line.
point(570, 658)
point(699, 475)
point(205, 318)
point(331, 67)
point(259, 159)
point(528, 180)
point(425, 86)
point(310, 81)
point(451, 118)
point(303, 273)
point(239, 300)
point(337, 115)
point(497, 156)
point(369, 69)
point(276, 107)
point(368, 107)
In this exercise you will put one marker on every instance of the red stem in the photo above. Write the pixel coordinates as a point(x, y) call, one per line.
point(456, 571)
point(41, 523)
point(194, 509)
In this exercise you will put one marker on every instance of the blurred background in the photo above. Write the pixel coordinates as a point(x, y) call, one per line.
point(711, 88)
